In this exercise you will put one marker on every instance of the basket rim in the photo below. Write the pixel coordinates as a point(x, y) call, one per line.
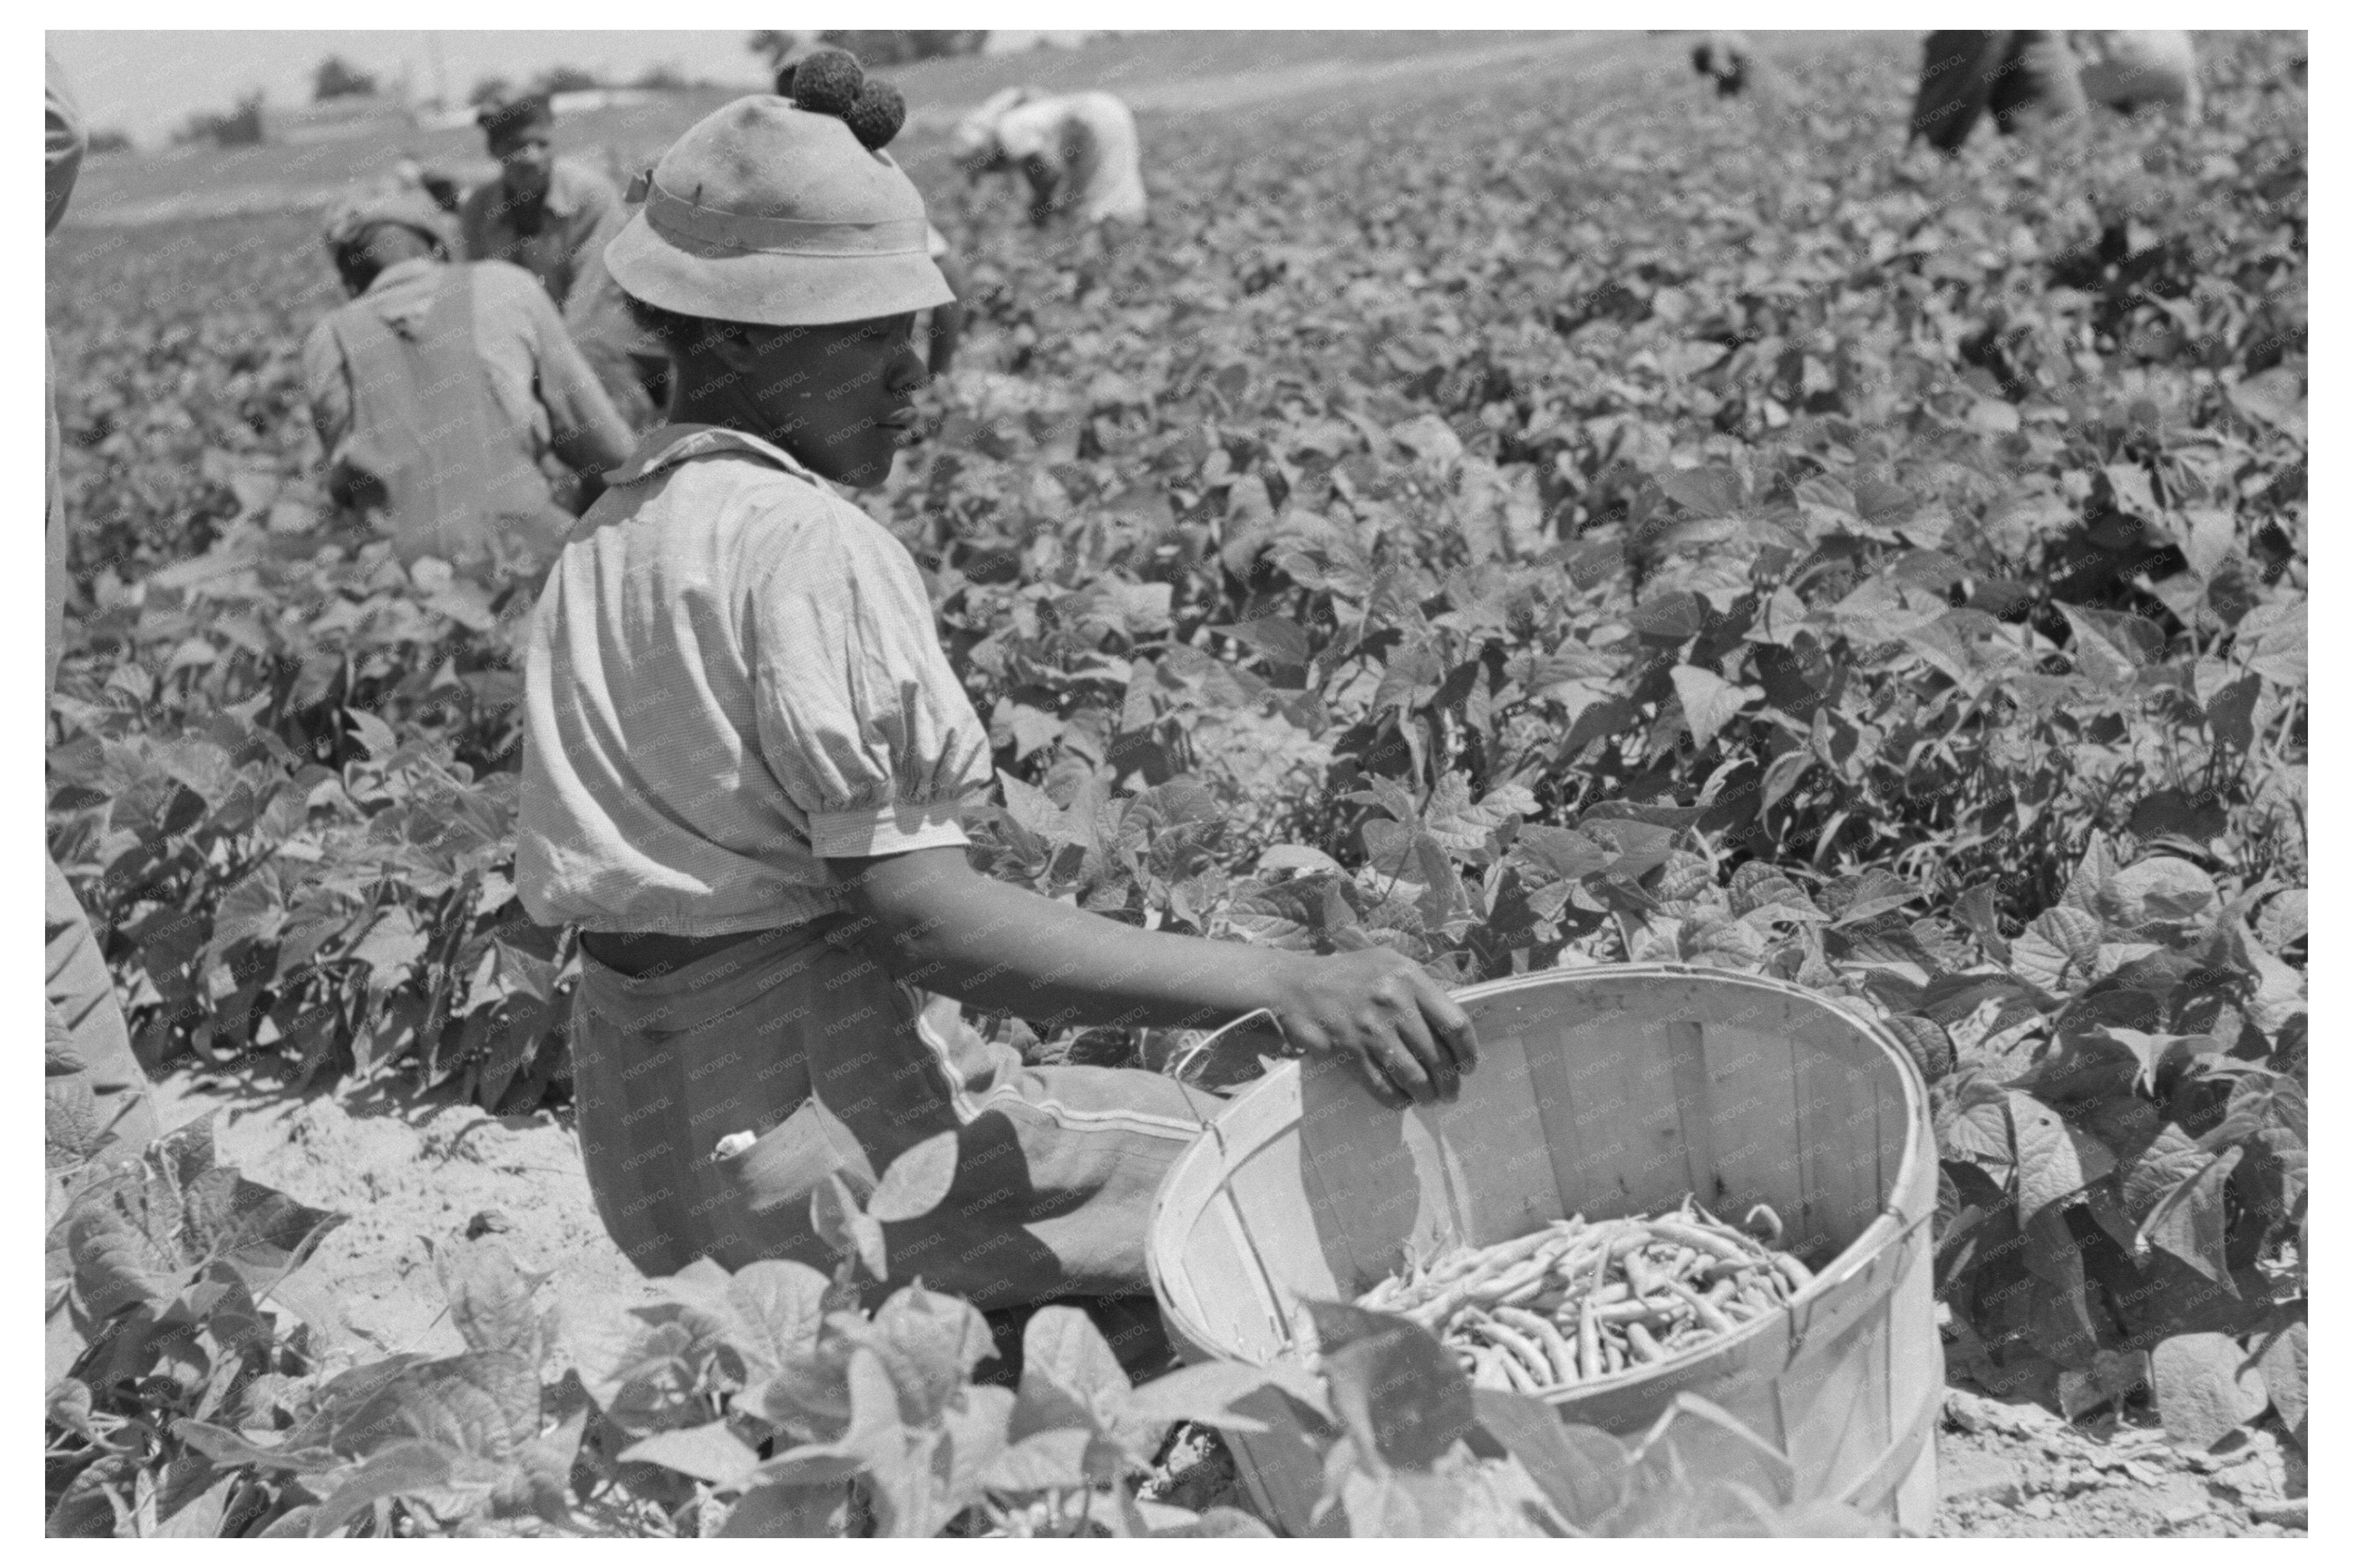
point(1889, 1227)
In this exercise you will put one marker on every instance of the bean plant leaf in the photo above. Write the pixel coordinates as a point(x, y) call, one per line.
point(2205, 1389)
point(2054, 1161)
point(917, 1182)
point(1973, 1122)
point(1395, 1390)
point(1209, 1392)
point(2187, 1218)
point(1709, 702)
point(2059, 951)
point(1068, 1376)
point(1581, 1469)
point(929, 1342)
point(2162, 891)
point(709, 1453)
point(836, 1217)
point(2282, 1361)
point(2275, 397)
point(1054, 1459)
point(397, 1470)
point(2109, 647)
point(489, 1298)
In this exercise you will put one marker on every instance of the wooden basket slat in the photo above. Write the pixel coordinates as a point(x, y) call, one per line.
point(1694, 1092)
point(1321, 1264)
point(1840, 1421)
point(1756, 1138)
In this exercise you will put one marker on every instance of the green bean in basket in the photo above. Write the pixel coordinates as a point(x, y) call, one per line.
point(1578, 1300)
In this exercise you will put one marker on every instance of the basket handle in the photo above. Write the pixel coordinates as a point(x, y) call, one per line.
point(1205, 1049)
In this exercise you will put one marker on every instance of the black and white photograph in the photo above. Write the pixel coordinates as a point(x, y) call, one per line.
point(1330, 781)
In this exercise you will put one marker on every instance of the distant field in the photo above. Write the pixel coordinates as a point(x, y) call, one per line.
point(1157, 72)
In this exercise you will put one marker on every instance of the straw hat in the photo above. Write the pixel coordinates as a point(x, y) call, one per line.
point(768, 214)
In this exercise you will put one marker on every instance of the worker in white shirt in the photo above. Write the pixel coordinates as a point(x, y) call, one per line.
point(1078, 150)
point(2128, 69)
point(2025, 80)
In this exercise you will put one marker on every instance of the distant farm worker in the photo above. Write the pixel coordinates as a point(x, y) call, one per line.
point(2028, 81)
point(1078, 150)
point(440, 389)
point(2130, 71)
point(834, 78)
point(98, 1103)
point(1723, 58)
point(553, 217)
point(745, 760)
point(1733, 63)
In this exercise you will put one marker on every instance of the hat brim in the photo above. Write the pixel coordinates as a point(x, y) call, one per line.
point(771, 289)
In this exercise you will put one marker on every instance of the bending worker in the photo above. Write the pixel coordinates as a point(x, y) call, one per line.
point(1078, 150)
point(1733, 63)
point(553, 217)
point(745, 764)
point(2031, 80)
point(440, 389)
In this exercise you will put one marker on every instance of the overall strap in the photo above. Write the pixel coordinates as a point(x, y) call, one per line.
point(426, 426)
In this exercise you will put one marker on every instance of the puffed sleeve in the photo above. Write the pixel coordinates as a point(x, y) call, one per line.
point(860, 718)
point(64, 143)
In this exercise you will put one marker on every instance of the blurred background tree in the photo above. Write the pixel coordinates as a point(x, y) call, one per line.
point(239, 127)
point(873, 47)
point(338, 78)
point(665, 77)
point(564, 79)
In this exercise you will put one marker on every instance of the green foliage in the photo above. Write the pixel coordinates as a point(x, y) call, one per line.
point(1526, 536)
point(161, 1270)
point(2124, 1138)
point(769, 1402)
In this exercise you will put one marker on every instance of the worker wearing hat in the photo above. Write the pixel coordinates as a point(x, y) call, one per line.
point(940, 328)
point(746, 762)
point(553, 217)
point(99, 1105)
point(1078, 150)
point(441, 391)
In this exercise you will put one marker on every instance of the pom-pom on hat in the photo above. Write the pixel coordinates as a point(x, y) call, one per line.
point(826, 82)
point(768, 214)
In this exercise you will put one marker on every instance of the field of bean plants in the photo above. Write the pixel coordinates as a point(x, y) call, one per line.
point(1552, 521)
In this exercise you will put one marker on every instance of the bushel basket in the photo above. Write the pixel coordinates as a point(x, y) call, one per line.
point(1602, 1092)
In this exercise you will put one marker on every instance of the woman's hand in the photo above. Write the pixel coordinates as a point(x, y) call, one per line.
point(1377, 1009)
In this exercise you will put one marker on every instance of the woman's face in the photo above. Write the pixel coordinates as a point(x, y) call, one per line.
point(526, 159)
point(839, 397)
